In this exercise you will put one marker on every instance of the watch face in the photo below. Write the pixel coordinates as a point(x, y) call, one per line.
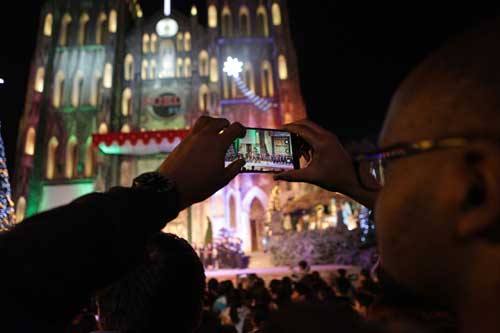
point(167, 28)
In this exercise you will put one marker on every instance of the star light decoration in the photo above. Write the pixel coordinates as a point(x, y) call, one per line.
point(233, 67)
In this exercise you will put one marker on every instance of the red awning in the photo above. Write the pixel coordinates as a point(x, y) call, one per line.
point(139, 143)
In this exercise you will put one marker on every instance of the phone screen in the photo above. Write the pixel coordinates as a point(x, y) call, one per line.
point(264, 150)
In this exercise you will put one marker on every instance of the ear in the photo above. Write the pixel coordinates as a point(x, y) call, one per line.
point(480, 209)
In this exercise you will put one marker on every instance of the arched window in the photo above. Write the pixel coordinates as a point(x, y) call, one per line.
point(29, 145)
point(234, 91)
point(50, 171)
point(103, 128)
point(39, 80)
point(82, 35)
point(58, 97)
point(187, 41)
point(47, 25)
point(282, 67)
point(154, 43)
point(180, 42)
point(178, 71)
point(20, 209)
point(214, 70)
point(95, 89)
point(108, 76)
point(248, 76)
point(125, 128)
point(203, 63)
point(212, 16)
point(127, 102)
point(145, 43)
point(152, 70)
point(232, 213)
point(63, 34)
point(276, 14)
point(72, 158)
point(139, 11)
point(225, 80)
point(262, 22)
point(129, 67)
point(187, 67)
point(244, 22)
point(267, 79)
point(167, 56)
point(213, 100)
point(77, 92)
point(125, 174)
point(88, 169)
point(204, 98)
point(227, 24)
point(100, 31)
point(144, 69)
point(113, 17)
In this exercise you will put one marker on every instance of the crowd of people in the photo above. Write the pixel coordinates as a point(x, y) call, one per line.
point(250, 304)
point(267, 158)
point(435, 202)
point(225, 253)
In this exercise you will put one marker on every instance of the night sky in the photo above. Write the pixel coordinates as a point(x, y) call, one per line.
point(352, 54)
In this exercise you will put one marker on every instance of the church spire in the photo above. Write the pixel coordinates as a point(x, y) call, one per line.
point(168, 7)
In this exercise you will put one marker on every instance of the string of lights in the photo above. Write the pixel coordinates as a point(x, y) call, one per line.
point(7, 215)
point(233, 67)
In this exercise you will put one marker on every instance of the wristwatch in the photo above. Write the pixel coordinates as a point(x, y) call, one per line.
point(154, 181)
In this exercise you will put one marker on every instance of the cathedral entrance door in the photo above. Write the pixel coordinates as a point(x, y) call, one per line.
point(257, 218)
point(253, 230)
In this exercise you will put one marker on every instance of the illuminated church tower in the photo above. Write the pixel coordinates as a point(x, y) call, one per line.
point(111, 92)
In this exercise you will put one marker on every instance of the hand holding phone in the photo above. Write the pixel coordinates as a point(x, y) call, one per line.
point(329, 167)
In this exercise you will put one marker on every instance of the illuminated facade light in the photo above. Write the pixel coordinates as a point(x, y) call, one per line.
point(139, 11)
point(233, 67)
point(2, 81)
point(194, 11)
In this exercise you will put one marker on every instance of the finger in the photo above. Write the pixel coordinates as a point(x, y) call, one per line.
point(301, 175)
point(304, 132)
point(216, 125)
point(200, 123)
point(233, 169)
point(235, 130)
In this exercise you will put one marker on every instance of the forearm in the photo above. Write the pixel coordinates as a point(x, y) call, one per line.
point(61, 256)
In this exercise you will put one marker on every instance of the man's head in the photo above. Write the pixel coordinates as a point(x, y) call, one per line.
point(164, 293)
point(438, 215)
point(303, 265)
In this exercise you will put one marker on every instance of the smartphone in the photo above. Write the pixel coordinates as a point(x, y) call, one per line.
point(266, 151)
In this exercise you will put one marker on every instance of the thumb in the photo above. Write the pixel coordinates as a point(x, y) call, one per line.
point(300, 175)
point(233, 169)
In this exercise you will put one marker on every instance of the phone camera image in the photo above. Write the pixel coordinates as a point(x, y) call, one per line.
point(264, 150)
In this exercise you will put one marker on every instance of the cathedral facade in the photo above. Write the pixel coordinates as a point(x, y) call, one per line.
point(111, 92)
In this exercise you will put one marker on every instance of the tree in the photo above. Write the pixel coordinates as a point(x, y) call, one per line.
point(7, 215)
point(209, 237)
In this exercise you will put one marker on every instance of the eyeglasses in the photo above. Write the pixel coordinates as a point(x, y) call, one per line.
point(370, 167)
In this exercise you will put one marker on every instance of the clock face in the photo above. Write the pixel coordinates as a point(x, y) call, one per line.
point(167, 28)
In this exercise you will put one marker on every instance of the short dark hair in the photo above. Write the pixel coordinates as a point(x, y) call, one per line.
point(213, 285)
point(164, 292)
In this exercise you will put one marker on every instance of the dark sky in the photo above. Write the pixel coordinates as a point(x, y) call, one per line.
point(352, 54)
